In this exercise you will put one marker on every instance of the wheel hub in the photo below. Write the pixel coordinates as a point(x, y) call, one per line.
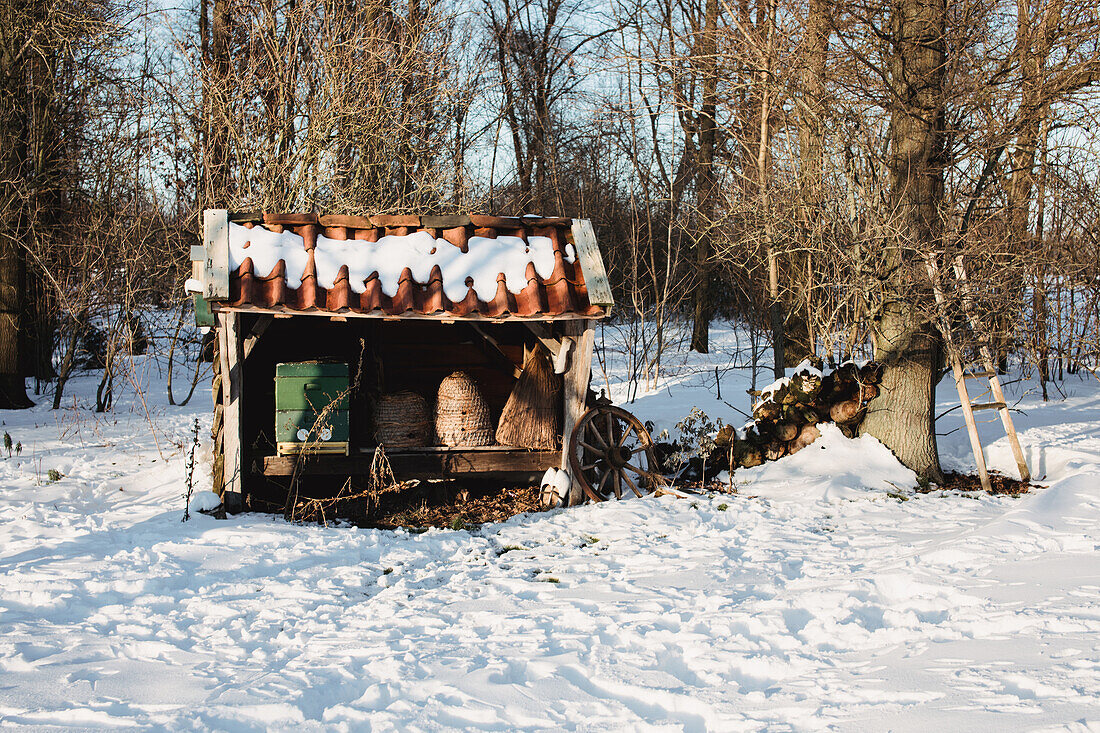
point(620, 456)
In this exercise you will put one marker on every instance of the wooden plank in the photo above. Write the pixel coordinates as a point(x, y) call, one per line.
point(215, 239)
point(281, 312)
point(575, 394)
point(449, 449)
point(257, 331)
point(229, 352)
point(243, 217)
point(198, 253)
point(514, 464)
point(588, 254)
point(542, 333)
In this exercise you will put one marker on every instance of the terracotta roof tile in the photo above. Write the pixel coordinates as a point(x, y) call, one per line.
point(562, 293)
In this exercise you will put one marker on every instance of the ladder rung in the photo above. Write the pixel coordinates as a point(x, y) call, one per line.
point(980, 375)
point(988, 406)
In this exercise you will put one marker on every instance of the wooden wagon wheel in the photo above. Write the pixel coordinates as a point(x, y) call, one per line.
point(611, 454)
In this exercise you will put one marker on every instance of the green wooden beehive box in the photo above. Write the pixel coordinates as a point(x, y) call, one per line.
point(303, 390)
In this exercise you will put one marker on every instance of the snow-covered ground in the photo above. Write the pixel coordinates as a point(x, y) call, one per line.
point(825, 594)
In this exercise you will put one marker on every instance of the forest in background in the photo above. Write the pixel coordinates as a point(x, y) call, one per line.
point(790, 165)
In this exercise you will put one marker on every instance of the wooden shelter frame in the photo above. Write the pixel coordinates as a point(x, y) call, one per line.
point(237, 336)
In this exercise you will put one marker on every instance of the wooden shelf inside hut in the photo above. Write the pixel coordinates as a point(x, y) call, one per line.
point(506, 463)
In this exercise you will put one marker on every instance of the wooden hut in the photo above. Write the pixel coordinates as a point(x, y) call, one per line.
point(403, 302)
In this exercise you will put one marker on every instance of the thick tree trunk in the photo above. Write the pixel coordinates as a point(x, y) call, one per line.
point(706, 183)
point(14, 167)
point(776, 319)
point(216, 101)
point(811, 108)
point(903, 415)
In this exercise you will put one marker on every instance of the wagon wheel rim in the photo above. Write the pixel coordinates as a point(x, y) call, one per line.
point(610, 454)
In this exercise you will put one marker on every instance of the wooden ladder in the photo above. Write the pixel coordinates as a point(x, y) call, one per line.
point(984, 369)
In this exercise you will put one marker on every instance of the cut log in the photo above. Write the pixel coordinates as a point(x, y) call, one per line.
point(786, 430)
point(787, 415)
point(845, 412)
point(775, 450)
point(809, 434)
point(769, 410)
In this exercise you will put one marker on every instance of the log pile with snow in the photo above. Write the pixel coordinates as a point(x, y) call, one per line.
point(788, 411)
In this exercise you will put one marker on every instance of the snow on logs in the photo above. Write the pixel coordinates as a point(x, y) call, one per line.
point(786, 415)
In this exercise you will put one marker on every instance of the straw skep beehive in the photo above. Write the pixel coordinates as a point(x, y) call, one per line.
point(532, 416)
point(402, 420)
point(461, 413)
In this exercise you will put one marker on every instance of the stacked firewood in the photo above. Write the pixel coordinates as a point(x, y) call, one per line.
point(787, 413)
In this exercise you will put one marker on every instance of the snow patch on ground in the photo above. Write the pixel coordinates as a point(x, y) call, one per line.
point(204, 501)
point(833, 467)
point(778, 608)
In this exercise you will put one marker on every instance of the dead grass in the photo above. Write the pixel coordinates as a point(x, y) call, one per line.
point(453, 512)
point(971, 482)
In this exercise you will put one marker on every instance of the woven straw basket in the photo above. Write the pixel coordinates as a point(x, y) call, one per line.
point(461, 414)
point(402, 420)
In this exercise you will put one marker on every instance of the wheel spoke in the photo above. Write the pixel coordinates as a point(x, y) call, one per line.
point(625, 435)
point(603, 480)
point(602, 452)
point(588, 466)
point(591, 427)
point(610, 431)
point(632, 485)
point(617, 484)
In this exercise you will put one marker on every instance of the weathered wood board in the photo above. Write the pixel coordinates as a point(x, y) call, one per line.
point(588, 254)
point(215, 239)
point(514, 465)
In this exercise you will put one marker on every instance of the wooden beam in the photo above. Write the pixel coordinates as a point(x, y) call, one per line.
point(494, 345)
point(230, 355)
point(281, 312)
point(575, 394)
point(215, 239)
point(514, 464)
point(257, 331)
point(542, 333)
point(588, 254)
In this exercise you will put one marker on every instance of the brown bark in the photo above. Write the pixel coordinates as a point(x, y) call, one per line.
point(216, 92)
point(706, 183)
point(903, 415)
point(14, 168)
point(766, 22)
point(811, 109)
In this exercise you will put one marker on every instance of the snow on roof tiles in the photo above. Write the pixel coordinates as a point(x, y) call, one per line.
point(459, 266)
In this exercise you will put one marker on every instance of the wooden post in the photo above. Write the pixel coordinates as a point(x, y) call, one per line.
point(231, 359)
point(575, 393)
point(215, 239)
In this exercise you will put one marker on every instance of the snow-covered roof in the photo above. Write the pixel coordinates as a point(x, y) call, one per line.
point(462, 266)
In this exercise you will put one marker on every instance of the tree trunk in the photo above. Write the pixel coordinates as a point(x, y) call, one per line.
point(903, 415)
point(811, 108)
point(14, 167)
point(216, 104)
point(706, 183)
point(766, 20)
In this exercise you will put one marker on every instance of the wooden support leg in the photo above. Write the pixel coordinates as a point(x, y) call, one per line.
point(230, 357)
point(575, 393)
